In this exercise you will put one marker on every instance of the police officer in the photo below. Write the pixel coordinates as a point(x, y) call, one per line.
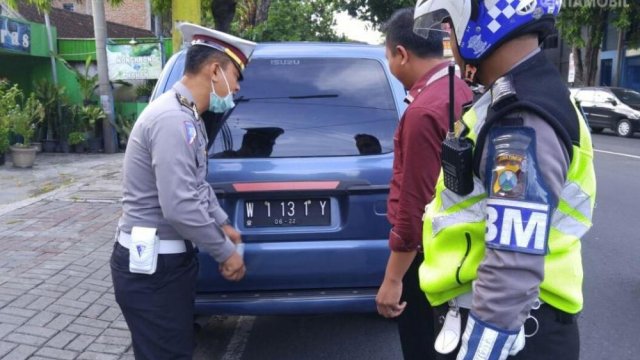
point(502, 235)
point(168, 206)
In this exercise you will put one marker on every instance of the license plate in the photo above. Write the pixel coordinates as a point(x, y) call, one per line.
point(281, 213)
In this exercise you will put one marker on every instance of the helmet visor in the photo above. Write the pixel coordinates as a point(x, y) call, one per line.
point(430, 22)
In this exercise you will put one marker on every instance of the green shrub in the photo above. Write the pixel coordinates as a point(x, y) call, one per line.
point(76, 137)
point(18, 115)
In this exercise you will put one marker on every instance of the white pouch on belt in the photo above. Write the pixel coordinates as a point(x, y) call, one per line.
point(143, 252)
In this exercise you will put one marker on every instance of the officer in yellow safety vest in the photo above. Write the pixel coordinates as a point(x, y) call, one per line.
point(501, 238)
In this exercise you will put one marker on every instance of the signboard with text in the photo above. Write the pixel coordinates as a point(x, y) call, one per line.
point(15, 35)
point(134, 62)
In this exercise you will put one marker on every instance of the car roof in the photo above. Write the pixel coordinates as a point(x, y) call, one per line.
point(317, 49)
point(608, 89)
point(604, 88)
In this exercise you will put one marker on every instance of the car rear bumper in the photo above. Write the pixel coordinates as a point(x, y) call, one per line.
point(288, 302)
point(298, 266)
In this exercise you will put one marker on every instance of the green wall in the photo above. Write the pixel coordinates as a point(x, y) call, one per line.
point(26, 70)
point(130, 109)
point(39, 42)
point(22, 69)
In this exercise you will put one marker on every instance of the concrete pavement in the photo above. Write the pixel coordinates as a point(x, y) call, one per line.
point(57, 222)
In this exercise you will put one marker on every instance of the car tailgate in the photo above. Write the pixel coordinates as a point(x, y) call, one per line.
point(346, 247)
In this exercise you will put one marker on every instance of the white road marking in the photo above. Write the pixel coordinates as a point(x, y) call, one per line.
point(616, 153)
point(238, 342)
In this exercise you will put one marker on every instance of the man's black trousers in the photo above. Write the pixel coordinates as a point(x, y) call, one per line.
point(158, 308)
point(415, 324)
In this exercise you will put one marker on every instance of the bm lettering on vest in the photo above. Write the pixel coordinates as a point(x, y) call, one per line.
point(517, 226)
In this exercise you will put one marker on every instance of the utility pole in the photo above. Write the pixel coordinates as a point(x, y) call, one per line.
point(54, 71)
point(617, 80)
point(106, 95)
point(160, 36)
point(184, 10)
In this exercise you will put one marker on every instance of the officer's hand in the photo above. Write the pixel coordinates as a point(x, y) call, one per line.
point(388, 298)
point(233, 268)
point(232, 233)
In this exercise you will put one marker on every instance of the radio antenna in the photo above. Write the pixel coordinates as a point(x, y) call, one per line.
point(452, 120)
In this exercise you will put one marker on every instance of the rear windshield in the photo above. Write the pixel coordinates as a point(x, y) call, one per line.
point(309, 107)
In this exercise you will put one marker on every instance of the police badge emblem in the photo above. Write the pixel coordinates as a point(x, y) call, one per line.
point(190, 132)
point(509, 180)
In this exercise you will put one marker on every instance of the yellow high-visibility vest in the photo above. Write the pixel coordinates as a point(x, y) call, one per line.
point(454, 230)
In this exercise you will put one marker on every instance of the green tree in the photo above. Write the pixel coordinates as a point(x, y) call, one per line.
point(273, 20)
point(374, 11)
point(251, 13)
point(301, 20)
point(220, 14)
point(583, 27)
point(261, 20)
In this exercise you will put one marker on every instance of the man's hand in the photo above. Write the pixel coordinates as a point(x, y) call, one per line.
point(233, 268)
point(232, 233)
point(388, 298)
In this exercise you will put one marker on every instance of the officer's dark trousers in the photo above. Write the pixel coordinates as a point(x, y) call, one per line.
point(415, 325)
point(557, 337)
point(158, 308)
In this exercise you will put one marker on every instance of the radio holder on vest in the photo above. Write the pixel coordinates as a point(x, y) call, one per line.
point(457, 151)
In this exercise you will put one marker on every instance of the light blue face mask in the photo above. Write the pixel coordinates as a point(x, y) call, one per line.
point(218, 104)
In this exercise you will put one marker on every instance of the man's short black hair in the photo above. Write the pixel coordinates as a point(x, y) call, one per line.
point(399, 31)
point(198, 56)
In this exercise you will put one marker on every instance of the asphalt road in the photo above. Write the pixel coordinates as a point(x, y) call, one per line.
point(611, 319)
point(609, 325)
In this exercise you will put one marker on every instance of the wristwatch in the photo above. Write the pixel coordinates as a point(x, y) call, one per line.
point(225, 222)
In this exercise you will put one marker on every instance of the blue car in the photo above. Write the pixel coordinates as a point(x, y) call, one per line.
point(302, 166)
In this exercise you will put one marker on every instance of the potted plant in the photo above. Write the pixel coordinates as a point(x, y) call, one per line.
point(24, 117)
point(89, 116)
point(4, 138)
point(144, 90)
point(86, 82)
point(67, 124)
point(7, 101)
point(78, 140)
point(124, 124)
point(54, 101)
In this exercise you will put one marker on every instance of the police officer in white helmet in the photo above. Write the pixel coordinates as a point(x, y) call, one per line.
point(502, 235)
point(168, 206)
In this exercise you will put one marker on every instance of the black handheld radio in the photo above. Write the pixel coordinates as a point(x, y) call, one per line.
point(457, 152)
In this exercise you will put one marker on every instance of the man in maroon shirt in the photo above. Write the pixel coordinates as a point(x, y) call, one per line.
point(419, 66)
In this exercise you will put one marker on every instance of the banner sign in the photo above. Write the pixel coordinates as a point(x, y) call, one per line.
point(134, 62)
point(14, 35)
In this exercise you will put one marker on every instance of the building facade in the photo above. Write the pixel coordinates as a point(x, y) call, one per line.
point(629, 67)
point(135, 13)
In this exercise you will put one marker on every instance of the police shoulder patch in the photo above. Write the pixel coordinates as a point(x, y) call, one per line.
point(517, 226)
point(190, 132)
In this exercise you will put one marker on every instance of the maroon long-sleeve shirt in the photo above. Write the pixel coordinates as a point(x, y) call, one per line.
point(417, 145)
